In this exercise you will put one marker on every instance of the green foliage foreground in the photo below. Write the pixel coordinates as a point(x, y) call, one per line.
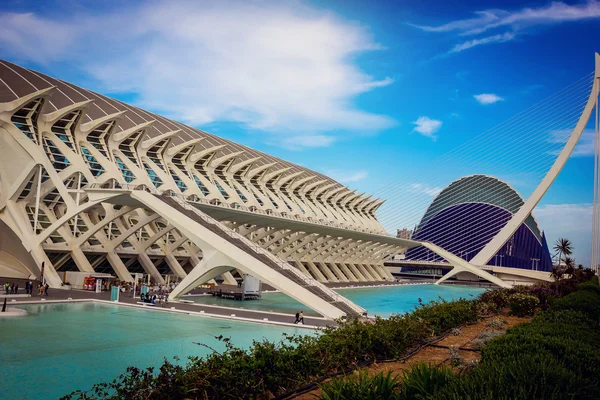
point(554, 357)
point(269, 369)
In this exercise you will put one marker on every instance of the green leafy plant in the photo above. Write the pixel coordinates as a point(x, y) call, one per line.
point(456, 359)
point(423, 381)
point(361, 385)
point(523, 305)
point(552, 357)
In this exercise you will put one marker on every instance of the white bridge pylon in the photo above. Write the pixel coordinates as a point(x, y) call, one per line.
point(486, 254)
point(518, 218)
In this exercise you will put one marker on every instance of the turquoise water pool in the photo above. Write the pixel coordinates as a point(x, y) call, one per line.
point(379, 301)
point(59, 348)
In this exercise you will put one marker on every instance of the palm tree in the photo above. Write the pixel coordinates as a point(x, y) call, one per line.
point(557, 273)
point(563, 247)
point(569, 266)
point(570, 263)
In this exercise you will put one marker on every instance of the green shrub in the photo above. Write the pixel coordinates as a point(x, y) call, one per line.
point(484, 337)
point(456, 359)
point(584, 300)
point(557, 350)
point(553, 357)
point(442, 316)
point(496, 323)
point(498, 297)
point(523, 305)
point(361, 386)
point(424, 381)
point(589, 286)
point(486, 309)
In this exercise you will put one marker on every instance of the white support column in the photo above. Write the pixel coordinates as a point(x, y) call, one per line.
point(348, 273)
point(212, 265)
point(301, 267)
point(228, 278)
point(150, 268)
point(37, 199)
point(174, 265)
point(119, 267)
point(366, 273)
point(316, 272)
point(357, 273)
point(334, 269)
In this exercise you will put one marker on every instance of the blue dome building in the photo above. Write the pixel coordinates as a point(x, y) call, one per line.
point(468, 213)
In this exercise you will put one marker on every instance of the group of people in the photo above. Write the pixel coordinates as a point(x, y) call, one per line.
point(13, 288)
point(160, 299)
point(299, 318)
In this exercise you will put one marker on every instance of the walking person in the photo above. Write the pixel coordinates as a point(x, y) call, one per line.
point(12, 288)
point(297, 318)
point(16, 288)
point(301, 317)
point(46, 289)
point(6, 286)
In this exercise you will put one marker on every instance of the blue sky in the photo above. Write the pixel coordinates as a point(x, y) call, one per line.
point(365, 93)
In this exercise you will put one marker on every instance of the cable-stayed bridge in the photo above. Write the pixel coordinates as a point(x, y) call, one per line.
point(510, 166)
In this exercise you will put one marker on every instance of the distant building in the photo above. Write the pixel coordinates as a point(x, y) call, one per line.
point(468, 213)
point(403, 233)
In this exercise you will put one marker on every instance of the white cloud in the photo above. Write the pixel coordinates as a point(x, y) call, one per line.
point(553, 13)
point(347, 176)
point(427, 126)
point(565, 217)
point(423, 188)
point(276, 67)
point(301, 142)
point(505, 37)
point(514, 22)
point(572, 221)
point(584, 148)
point(488, 98)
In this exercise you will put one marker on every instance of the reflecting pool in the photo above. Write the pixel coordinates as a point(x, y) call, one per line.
point(379, 301)
point(59, 348)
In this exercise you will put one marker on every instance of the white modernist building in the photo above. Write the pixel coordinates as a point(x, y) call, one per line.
point(91, 184)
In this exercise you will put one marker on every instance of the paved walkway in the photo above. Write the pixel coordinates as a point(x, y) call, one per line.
point(207, 310)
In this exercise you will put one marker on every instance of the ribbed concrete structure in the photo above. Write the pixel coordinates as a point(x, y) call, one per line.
point(60, 143)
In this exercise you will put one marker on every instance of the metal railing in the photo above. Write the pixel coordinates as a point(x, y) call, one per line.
point(307, 281)
point(283, 265)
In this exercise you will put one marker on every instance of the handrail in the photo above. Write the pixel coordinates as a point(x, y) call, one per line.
point(257, 249)
point(184, 203)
